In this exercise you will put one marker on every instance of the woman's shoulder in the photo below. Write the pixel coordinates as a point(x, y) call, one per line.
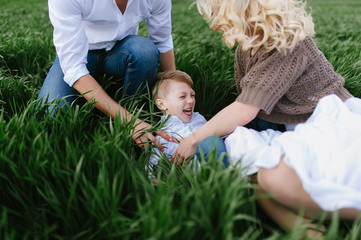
point(305, 50)
point(305, 47)
point(311, 48)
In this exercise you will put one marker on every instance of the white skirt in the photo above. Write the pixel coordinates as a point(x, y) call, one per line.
point(325, 152)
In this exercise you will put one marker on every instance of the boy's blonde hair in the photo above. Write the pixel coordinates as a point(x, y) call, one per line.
point(276, 24)
point(175, 75)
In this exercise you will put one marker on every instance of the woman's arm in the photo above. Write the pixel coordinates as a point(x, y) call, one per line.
point(234, 115)
point(92, 91)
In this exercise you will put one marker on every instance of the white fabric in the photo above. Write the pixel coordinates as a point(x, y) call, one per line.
point(82, 25)
point(325, 152)
point(245, 146)
point(174, 127)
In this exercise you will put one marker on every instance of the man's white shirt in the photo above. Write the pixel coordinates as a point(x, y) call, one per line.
point(83, 25)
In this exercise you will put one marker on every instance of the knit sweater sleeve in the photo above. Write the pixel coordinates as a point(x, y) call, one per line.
point(270, 77)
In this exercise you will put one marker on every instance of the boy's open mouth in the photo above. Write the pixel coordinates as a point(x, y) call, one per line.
point(188, 111)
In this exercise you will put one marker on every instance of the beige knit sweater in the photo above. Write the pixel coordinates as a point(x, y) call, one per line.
point(288, 86)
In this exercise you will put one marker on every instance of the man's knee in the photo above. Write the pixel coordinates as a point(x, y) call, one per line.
point(142, 49)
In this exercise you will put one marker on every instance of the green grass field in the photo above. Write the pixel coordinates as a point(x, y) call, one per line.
point(79, 175)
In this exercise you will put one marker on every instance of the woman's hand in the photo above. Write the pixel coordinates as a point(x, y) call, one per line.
point(185, 151)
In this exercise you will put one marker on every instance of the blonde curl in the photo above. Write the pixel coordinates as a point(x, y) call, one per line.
point(275, 24)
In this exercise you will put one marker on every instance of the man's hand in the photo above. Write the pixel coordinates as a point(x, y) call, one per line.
point(141, 135)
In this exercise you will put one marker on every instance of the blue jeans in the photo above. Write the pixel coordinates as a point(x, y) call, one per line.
point(260, 125)
point(133, 62)
point(212, 144)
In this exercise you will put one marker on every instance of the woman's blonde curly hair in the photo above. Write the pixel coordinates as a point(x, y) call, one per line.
point(276, 24)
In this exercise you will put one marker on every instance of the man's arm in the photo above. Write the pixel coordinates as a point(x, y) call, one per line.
point(160, 32)
point(167, 61)
point(92, 91)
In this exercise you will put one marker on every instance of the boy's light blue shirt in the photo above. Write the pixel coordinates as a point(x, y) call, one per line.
point(174, 127)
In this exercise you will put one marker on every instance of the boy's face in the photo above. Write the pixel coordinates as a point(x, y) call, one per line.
point(179, 100)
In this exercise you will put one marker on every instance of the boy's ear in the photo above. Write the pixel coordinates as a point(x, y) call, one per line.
point(161, 104)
